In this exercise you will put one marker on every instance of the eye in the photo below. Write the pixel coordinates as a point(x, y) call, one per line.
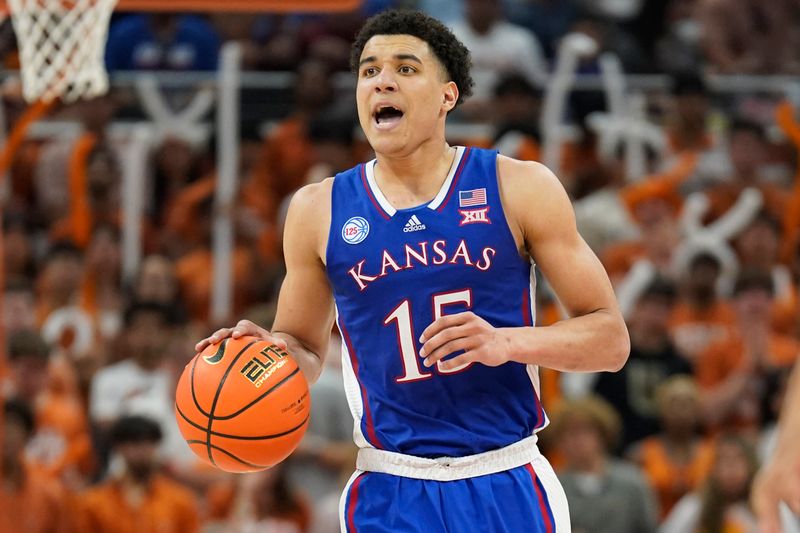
point(369, 71)
point(406, 69)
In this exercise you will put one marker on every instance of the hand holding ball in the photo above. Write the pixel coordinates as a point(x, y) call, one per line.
point(242, 404)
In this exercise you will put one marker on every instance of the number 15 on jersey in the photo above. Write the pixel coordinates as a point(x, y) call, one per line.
point(406, 339)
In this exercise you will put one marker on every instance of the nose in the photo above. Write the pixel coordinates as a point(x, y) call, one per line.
point(385, 81)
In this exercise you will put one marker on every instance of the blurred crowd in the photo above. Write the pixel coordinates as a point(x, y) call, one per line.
point(703, 249)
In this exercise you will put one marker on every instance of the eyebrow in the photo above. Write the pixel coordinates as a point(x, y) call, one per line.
point(401, 57)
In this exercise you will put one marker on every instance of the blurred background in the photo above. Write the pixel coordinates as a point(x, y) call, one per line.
point(137, 223)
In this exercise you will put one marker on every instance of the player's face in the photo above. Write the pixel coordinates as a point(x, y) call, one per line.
point(403, 97)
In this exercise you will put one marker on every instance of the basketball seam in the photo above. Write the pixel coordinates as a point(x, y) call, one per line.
point(266, 393)
point(229, 454)
point(222, 346)
point(216, 398)
point(240, 437)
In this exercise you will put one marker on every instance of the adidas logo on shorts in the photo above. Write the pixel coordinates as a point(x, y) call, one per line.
point(413, 224)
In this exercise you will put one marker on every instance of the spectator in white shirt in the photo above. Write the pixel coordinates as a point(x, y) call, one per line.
point(140, 384)
point(498, 47)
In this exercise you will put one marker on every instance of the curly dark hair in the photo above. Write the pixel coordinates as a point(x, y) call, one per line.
point(450, 52)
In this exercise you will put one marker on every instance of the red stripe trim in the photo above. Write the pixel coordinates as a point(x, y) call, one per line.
point(545, 510)
point(461, 166)
point(373, 436)
point(383, 213)
point(540, 410)
point(526, 307)
point(351, 507)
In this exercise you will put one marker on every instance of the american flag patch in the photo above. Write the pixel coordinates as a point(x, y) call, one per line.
point(472, 198)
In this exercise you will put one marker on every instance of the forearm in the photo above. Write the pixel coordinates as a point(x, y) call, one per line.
point(309, 361)
point(594, 342)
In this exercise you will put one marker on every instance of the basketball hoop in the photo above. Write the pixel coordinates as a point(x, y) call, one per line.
point(62, 42)
point(61, 46)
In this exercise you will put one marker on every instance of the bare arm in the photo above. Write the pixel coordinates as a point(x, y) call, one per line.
point(305, 305)
point(779, 480)
point(596, 338)
point(543, 223)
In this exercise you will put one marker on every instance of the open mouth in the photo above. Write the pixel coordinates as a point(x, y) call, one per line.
point(387, 116)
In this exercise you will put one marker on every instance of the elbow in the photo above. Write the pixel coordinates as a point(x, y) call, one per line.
point(619, 347)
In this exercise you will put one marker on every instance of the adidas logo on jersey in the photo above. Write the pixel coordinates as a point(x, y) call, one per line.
point(413, 224)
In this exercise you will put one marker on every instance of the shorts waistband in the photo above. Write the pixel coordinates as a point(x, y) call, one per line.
point(514, 455)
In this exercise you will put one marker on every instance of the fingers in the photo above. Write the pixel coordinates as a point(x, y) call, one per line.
point(213, 339)
point(457, 344)
point(765, 503)
point(451, 364)
point(243, 328)
point(277, 341)
point(792, 494)
point(444, 322)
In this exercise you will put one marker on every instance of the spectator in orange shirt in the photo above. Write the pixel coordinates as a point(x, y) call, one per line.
point(677, 459)
point(287, 154)
point(195, 269)
point(748, 153)
point(735, 373)
point(656, 217)
point(136, 498)
point(758, 246)
point(700, 317)
point(94, 192)
point(61, 445)
point(30, 502)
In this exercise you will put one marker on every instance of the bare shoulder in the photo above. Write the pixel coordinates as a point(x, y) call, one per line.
point(315, 197)
point(533, 197)
point(309, 217)
point(526, 177)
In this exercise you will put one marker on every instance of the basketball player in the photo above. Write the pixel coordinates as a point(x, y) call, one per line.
point(426, 252)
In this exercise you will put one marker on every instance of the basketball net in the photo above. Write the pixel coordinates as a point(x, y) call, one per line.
point(61, 47)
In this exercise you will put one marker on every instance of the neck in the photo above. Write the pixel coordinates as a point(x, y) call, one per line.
point(411, 174)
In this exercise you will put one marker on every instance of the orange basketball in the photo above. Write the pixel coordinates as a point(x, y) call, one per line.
point(242, 405)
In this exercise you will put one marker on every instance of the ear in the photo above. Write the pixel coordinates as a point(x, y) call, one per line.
point(449, 96)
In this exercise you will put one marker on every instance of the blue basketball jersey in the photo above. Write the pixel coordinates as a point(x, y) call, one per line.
point(393, 271)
